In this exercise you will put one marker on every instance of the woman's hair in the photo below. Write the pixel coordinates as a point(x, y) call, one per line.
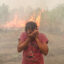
point(30, 26)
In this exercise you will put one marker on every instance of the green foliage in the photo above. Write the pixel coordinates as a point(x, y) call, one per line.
point(53, 21)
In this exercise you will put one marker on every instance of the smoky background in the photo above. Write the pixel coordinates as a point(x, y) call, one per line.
point(13, 16)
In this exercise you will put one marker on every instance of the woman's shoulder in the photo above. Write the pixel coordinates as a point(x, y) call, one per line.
point(43, 37)
point(23, 35)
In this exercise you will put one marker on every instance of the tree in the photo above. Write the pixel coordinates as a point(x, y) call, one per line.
point(4, 13)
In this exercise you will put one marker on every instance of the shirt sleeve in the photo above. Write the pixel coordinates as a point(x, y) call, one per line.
point(44, 39)
point(22, 37)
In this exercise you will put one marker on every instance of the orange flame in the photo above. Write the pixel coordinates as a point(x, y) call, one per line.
point(18, 23)
point(32, 18)
point(38, 19)
point(15, 23)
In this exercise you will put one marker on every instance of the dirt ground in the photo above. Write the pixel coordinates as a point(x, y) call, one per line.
point(9, 54)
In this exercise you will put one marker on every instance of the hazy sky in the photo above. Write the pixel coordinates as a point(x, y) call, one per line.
point(50, 4)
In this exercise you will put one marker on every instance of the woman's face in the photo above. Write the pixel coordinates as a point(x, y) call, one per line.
point(29, 31)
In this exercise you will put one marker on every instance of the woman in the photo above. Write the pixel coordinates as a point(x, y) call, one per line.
point(33, 44)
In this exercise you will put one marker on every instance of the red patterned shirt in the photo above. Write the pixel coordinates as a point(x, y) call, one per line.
point(32, 53)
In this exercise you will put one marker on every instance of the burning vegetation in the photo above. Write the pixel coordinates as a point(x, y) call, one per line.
point(20, 23)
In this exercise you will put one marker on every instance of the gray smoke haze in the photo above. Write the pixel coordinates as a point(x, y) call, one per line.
point(49, 4)
point(11, 26)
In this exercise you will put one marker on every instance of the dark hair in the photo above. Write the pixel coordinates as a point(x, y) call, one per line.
point(30, 26)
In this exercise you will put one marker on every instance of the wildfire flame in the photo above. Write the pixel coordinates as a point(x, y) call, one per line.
point(38, 19)
point(18, 23)
point(15, 23)
point(32, 18)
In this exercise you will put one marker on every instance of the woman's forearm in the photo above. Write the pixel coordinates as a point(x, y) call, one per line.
point(43, 47)
point(22, 45)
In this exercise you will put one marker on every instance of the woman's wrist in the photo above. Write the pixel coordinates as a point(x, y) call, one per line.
point(36, 38)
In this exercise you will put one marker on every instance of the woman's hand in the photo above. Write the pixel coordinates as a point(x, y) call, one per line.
point(34, 34)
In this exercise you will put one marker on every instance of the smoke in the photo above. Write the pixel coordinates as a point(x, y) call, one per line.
point(50, 4)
